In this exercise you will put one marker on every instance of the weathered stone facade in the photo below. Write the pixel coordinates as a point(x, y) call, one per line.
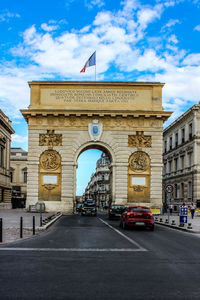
point(102, 115)
point(5, 142)
point(18, 172)
point(181, 158)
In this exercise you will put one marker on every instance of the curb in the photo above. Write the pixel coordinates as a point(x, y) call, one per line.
point(49, 221)
point(177, 227)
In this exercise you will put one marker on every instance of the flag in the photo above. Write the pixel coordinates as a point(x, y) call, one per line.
point(90, 62)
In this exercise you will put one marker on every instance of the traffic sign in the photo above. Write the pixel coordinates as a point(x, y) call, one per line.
point(169, 188)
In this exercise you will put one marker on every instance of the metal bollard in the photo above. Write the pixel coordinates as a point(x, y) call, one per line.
point(160, 219)
point(21, 227)
point(166, 221)
point(33, 225)
point(41, 214)
point(1, 230)
point(173, 222)
point(189, 226)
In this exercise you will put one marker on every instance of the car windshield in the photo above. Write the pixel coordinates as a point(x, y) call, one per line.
point(117, 207)
point(138, 209)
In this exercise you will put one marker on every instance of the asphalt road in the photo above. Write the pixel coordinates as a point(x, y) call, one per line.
point(92, 258)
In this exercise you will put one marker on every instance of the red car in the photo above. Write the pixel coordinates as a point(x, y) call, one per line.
point(137, 216)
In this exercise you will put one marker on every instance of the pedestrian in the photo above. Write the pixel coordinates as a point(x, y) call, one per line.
point(170, 209)
point(192, 210)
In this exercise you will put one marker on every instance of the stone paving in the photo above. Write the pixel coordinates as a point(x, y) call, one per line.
point(11, 223)
point(174, 218)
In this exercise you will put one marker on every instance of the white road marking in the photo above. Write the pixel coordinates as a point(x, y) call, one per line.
point(140, 248)
point(73, 249)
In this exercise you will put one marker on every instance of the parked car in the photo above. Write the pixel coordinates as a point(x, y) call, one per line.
point(137, 216)
point(115, 211)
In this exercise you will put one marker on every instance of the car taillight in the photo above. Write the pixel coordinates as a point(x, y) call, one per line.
point(128, 214)
point(151, 215)
point(110, 210)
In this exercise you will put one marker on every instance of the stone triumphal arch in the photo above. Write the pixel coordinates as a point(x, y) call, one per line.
point(124, 119)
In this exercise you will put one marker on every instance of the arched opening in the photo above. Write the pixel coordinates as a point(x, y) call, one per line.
point(94, 176)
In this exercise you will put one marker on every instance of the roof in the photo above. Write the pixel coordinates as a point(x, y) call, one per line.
point(18, 150)
point(194, 107)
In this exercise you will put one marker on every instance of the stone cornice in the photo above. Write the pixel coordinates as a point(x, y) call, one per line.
point(6, 124)
point(92, 113)
point(95, 83)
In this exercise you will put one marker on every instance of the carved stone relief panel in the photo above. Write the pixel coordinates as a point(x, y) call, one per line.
point(50, 173)
point(139, 178)
point(139, 140)
point(50, 139)
point(50, 160)
point(139, 162)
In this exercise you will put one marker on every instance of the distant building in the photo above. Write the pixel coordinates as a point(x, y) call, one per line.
point(5, 141)
point(99, 186)
point(18, 176)
point(181, 158)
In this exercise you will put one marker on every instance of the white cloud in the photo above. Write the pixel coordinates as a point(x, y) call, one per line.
point(46, 27)
point(120, 39)
point(6, 16)
point(171, 23)
point(19, 139)
point(169, 3)
point(192, 59)
point(148, 15)
point(91, 3)
point(197, 27)
point(173, 39)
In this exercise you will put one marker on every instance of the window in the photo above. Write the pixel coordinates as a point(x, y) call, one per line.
point(102, 188)
point(182, 162)
point(176, 164)
point(11, 176)
point(182, 190)
point(176, 190)
point(1, 156)
point(183, 135)
point(190, 131)
point(170, 166)
point(25, 177)
point(170, 143)
point(189, 189)
point(165, 146)
point(165, 168)
point(176, 139)
point(190, 159)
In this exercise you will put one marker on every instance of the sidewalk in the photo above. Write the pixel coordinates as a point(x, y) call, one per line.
point(11, 223)
point(174, 222)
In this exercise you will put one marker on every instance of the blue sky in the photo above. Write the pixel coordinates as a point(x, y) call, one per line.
point(147, 40)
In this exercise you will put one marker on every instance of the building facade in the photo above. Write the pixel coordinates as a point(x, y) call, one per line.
point(122, 119)
point(5, 141)
point(181, 159)
point(99, 187)
point(18, 176)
